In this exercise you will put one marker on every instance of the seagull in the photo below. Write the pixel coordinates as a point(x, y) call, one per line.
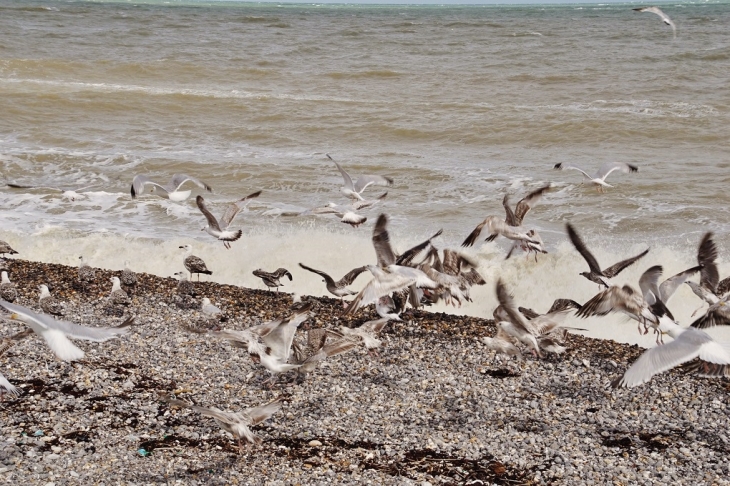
point(273, 279)
point(514, 218)
point(56, 332)
point(317, 349)
point(184, 286)
point(621, 299)
point(596, 274)
point(209, 309)
point(718, 314)
point(354, 190)
point(128, 278)
point(503, 342)
point(171, 190)
point(5, 344)
point(657, 295)
point(86, 272)
point(709, 275)
point(8, 292)
point(236, 423)
point(6, 249)
point(50, 304)
point(528, 246)
point(388, 280)
point(338, 288)
point(558, 305)
point(497, 226)
point(219, 229)
point(194, 264)
point(117, 295)
point(599, 179)
point(689, 343)
point(345, 213)
point(366, 333)
point(513, 323)
point(665, 18)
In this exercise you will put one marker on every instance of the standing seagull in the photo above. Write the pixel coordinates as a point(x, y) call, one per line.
point(338, 288)
point(219, 229)
point(7, 288)
point(50, 304)
point(273, 279)
point(6, 249)
point(194, 264)
point(86, 272)
point(665, 18)
point(56, 333)
point(128, 278)
point(353, 190)
point(236, 423)
point(117, 295)
point(596, 274)
point(171, 189)
point(599, 179)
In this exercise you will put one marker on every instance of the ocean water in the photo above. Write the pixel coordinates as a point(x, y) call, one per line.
point(460, 105)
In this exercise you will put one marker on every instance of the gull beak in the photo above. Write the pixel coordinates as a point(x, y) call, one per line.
point(15, 315)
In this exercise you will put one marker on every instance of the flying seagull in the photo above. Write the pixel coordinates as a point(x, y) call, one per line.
point(171, 189)
point(514, 218)
point(497, 226)
point(273, 279)
point(236, 423)
point(599, 179)
point(689, 343)
point(596, 274)
point(353, 190)
point(709, 275)
point(56, 332)
point(219, 229)
point(338, 288)
point(665, 18)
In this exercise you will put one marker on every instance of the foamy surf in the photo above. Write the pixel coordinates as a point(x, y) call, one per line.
point(534, 284)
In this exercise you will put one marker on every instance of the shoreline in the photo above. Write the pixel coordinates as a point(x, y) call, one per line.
point(436, 407)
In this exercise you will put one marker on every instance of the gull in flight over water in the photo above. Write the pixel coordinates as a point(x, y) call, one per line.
point(599, 179)
point(171, 189)
point(219, 228)
point(665, 18)
point(353, 190)
point(596, 274)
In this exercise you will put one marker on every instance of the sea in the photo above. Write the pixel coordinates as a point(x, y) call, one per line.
point(459, 104)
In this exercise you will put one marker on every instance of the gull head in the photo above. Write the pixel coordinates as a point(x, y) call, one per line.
point(187, 247)
point(44, 290)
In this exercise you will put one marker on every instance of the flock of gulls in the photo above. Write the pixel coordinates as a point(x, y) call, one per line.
point(420, 276)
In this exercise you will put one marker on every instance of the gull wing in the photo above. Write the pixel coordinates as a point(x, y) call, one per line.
point(351, 276)
point(617, 268)
point(179, 179)
point(262, 412)
point(10, 341)
point(208, 215)
point(717, 315)
point(327, 278)
point(665, 18)
point(375, 326)
point(706, 256)
point(582, 249)
point(724, 286)
point(609, 167)
point(507, 302)
point(603, 303)
point(234, 208)
point(561, 304)
point(348, 180)
point(140, 181)
point(561, 166)
point(371, 180)
point(649, 284)
point(381, 241)
point(525, 204)
point(407, 257)
point(670, 285)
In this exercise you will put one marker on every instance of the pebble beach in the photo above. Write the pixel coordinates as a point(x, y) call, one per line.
point(436, 407)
